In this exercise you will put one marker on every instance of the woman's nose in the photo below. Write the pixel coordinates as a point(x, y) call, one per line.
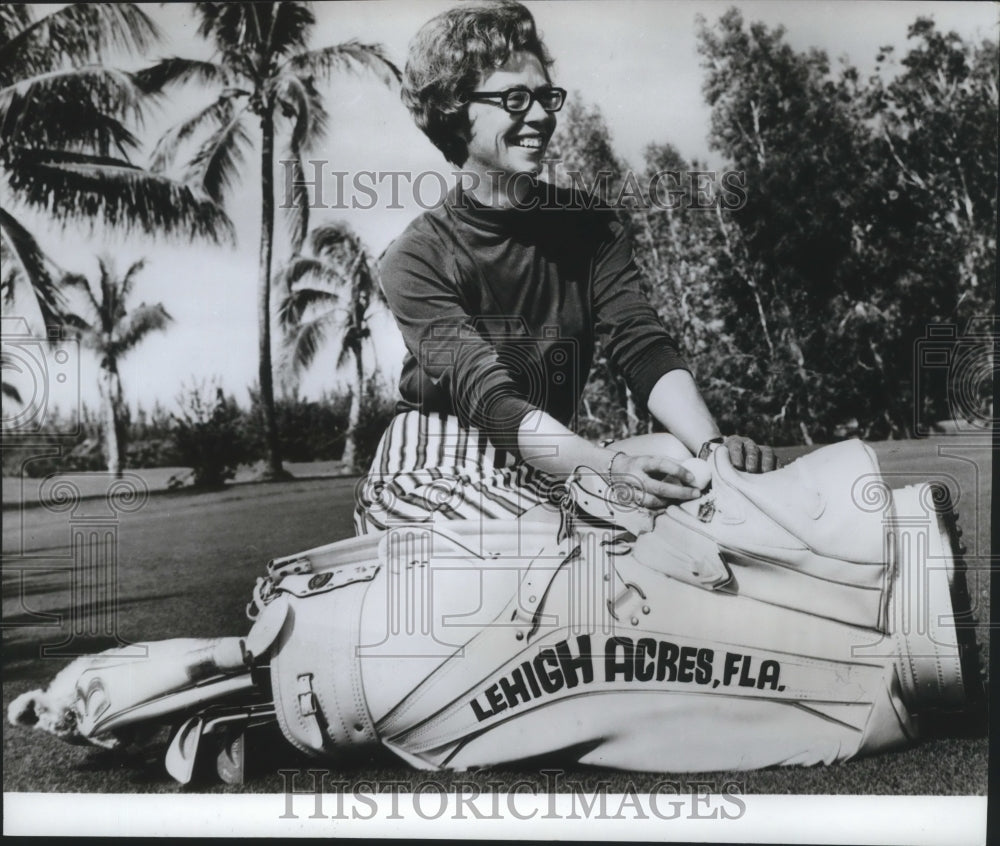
point(536, 114)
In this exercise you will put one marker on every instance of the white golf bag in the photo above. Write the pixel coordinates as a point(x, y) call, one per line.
point(801, 616)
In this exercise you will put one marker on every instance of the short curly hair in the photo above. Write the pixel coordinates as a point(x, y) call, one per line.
point(448, 56)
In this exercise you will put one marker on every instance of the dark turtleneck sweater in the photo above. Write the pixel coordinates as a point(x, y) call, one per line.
point(499, 309)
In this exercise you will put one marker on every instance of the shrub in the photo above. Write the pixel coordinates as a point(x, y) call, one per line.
point(68, 444)
point(153, 452)
point(209, 435)
point(309, 430)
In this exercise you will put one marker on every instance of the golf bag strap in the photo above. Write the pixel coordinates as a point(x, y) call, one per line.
point(595, 495)
point(318, 693)
point(549, 543)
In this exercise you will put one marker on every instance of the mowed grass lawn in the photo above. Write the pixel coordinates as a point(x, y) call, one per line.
point(186, 564)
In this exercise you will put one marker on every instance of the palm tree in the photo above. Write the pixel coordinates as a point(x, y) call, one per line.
point(266, 76)
point(331, 290)
point(64, 142)
point(113, 331)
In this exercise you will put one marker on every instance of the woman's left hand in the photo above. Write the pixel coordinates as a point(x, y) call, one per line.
point(747, 455)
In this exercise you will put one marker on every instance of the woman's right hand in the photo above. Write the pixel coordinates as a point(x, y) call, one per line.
point(654, 481)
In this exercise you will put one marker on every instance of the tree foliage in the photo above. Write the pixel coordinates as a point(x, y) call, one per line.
point(869, 220)
point(583, 158)
point(862, 226)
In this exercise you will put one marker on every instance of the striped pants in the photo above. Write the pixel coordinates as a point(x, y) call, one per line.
point(428, 467)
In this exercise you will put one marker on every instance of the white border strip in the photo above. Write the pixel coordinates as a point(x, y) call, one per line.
point(913, 820)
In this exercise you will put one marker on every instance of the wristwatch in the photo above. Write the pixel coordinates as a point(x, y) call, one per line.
point(706, 448)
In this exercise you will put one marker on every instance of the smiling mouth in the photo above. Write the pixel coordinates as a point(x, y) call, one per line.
point(528, 142)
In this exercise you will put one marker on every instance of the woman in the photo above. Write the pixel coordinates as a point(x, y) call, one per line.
point(500, 294)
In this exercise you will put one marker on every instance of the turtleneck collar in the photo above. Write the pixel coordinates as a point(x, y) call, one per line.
point(490, 218)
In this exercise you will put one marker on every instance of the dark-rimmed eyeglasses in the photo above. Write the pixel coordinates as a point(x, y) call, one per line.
point(518, 100)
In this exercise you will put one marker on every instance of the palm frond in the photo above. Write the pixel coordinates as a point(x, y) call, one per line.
point(351, 56)
point(223, 23)
point(306, 341)
point(108, 311)
point(288, 29)
point(76, 186)
point(378, 291)
point(143, 320)
point(217, 114)
point(301, 269)
point(80, 282)
point(367, 282)
point(14, 18)
point(176, 70)
point(250, 35)
point(298, 302)
point(103, 26)
point(347, 347)
point(128, 280)
point(78, 109)
point(10, 277)
point(10, 392)
point(216, 165)
point(244, 66)
point(297, 216)
point(347, 260)
point(29, 257)
point(300, 101)
point(332, 241)
point(208, 14)
point(76, 325)
point(77, 33)
point(341, 250)
point(9, 362)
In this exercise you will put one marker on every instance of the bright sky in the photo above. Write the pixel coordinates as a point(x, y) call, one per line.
point(635, 59)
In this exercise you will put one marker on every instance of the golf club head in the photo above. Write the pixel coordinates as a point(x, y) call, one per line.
point(182, 753)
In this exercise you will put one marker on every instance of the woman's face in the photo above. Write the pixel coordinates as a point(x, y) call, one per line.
point(504, 142)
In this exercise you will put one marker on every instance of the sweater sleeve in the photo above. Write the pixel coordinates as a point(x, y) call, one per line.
point(450, 352)
point(636, 339)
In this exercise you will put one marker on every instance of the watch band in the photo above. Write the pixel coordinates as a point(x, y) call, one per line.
point(706, 448)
